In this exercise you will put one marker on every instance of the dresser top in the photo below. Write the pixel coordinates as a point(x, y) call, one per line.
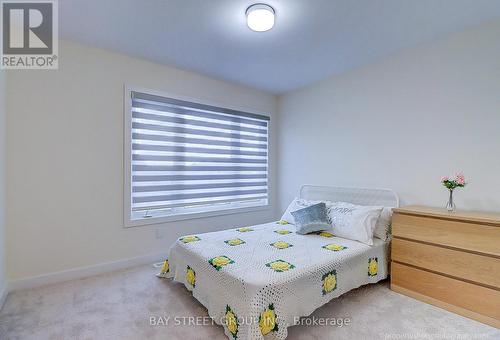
point(465, 216)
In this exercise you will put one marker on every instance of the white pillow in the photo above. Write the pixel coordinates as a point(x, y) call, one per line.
point(354, 222)
point(383, 224)
point(299, 203)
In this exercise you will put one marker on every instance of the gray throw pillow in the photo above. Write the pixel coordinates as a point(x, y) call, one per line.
point(311, 219)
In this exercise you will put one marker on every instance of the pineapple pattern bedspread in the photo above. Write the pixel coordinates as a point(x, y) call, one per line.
point(257, 281)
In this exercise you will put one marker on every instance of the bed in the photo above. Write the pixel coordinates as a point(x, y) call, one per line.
point(258, 280)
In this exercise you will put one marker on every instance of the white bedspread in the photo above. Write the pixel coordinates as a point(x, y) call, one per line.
point(274, 283)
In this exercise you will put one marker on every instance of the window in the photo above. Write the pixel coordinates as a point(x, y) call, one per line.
point(186, 159)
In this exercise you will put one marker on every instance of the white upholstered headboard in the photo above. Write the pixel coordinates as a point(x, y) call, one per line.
point(361, 196)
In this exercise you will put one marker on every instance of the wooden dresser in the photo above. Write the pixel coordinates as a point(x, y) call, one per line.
point(450, 260)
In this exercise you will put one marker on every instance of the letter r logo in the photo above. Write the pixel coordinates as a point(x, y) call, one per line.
point(27, 27)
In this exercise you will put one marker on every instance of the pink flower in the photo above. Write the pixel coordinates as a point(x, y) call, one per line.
point(444, 179)
point(460, 178)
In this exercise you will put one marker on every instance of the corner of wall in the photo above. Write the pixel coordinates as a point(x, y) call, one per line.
point(277, 159)
point(3, 278)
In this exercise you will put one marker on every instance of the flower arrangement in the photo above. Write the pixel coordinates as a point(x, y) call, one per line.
point(457, 182)
point(452, 184)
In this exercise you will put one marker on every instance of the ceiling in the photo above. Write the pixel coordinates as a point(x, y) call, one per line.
point(312, 39)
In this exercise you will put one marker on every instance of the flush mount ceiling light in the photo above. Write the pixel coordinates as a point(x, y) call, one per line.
point(260, 17)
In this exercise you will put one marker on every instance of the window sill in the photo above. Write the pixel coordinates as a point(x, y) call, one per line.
point(191, 216)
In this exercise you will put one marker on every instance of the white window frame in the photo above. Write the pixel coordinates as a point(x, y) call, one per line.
point(127, 157)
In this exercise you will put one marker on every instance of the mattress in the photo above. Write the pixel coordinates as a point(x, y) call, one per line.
point(257, 281)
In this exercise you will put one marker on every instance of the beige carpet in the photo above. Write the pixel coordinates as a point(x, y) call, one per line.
point(119, 305)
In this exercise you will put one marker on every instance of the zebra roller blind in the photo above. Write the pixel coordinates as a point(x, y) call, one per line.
point(193, 158)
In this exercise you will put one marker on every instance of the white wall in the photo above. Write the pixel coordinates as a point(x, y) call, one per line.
point(65, 160)
point(402, 123)
point(3, 279)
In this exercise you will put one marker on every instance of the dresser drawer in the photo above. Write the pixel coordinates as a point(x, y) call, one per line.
point(472, 267)
point(463, 235)
point(446, 291)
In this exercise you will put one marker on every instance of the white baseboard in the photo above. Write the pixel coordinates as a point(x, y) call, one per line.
point(82, 272)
